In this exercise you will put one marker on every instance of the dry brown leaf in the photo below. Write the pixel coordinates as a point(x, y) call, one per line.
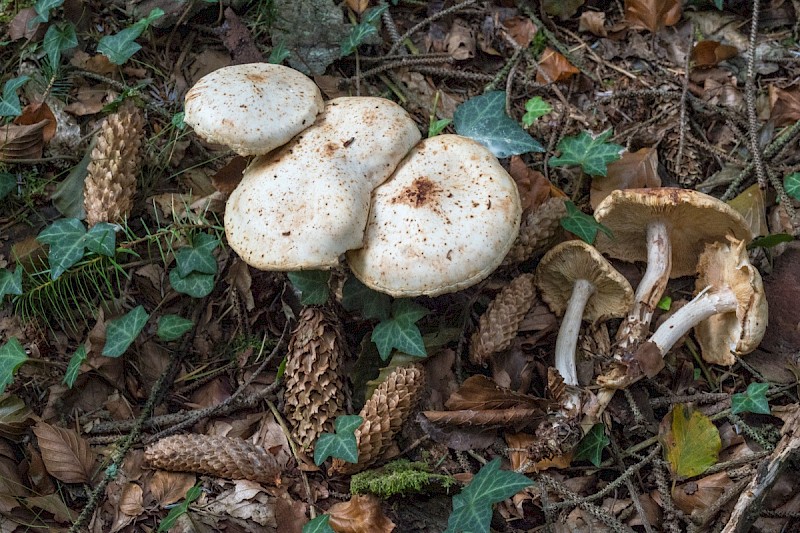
point(520, 446)
point(562, 9)
point(521, 29)
point(99, 63)
point(55, 505)
point(593, 22)
point(169, 487)
point(460, 42)
point(228, 177)
point(554, 67)
point(702, 493)
point(785, 105)
point(652, 15)
point(20, 26)
point(130, 502)
point(15, 417)
point(481, 393)
point(359, 6)
point(495, 418)
point(707, 54)
point(533, 187)
point(36, 113)
point(751, 204)
point(66, 454)
point(634, 170)
point(362, 514)
point(22, 142)
point(41, 483)
point(90, 100)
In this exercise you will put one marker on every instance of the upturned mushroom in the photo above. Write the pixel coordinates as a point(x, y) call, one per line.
point(444, 221)
point(252, 108)
point(304, 205)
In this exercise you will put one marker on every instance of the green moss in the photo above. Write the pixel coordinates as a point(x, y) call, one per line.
point(398, 477)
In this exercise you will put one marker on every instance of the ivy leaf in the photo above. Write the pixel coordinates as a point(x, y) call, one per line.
point(196, 284)
point(12, 356)
point(591, 152)
point(691, 441)
point(360, 32)
point(591, 446)
point(484, 119)
point(8, 182)
point(754, 400)
point(400, 331)
point(101, 239)
point(370, 303)
point(791, 184)
point(581, 224)
point(342, 444)
point(9, 105)
point(43, 9)
point(120, 47)
point(74, 366)
point(319, 525)
point(169, 521)
point(198, 257)
point(10, 282)
point(59, 37)
point(171, 327)
point(66, 240)
point(121, 331)
point(472, 508)
point(312, 284)
point(535, 108)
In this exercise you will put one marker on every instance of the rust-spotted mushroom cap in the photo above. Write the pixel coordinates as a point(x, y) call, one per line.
point(443, 222)
point(252, 108)
point(304, 205)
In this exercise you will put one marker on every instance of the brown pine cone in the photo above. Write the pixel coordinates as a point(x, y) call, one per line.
point(111, 180)
point(540, 228)
point(216, 456)
point(499, 324)
point(384, 414)
point(315, 387)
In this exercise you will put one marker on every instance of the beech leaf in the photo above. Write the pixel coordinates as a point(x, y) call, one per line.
point(66, 455)
point(691, 441)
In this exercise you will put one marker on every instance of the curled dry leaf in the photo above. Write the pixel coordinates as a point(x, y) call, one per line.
point(169, 487)
point(554, 67)
point(130, 502)
point(481, 393)
point(36, 113)
point(22, 142)
point(785, 105)
point(521, 29)
point(706, 54)
point(228, 177)
point(534, 188)
point(66, 454)
point(494, 418)
point(362, 514)
point(15, 417)
point(652, 15)
point(702, 493)
point(634, 170)
point(359, 6)
point(593, 22)
point(460, 42)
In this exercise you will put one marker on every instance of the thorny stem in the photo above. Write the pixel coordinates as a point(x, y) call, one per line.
point(567, 341)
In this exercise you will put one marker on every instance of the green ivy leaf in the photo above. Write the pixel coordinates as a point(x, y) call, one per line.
point(312, 284)
point(591, 152)
point(12, 356)
point(591, 446)
point(400, 331)
point(74, 366)
point(120, 47)
point(472, 508)
point(581, 224)
point(342, 444)
point(372, 305)
point(535, 108)
point(8, 182)
point(59, 37)
point(169, 521)
point(484, 119)
point(319, 525)
point(101, 239)
point(196, 284)
point(67, 244)
point(43, 9)
point(10, 282)
point(791, 184)
point(360, 32)
point(9, 105)
point(121, 331)
point(754, 400)
point(198, 257)
point(171, 327)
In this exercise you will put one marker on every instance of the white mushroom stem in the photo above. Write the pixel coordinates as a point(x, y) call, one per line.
point(567, 341)
point(650, 289)
point(707, 303)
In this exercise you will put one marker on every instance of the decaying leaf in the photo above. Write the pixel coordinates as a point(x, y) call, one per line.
point(65, 453)
point(517, 419)
point(460, 41)
point(481, 393)
point(751, 204)
point(361, 514)
point(130, 502)
point(170, 487)
point(707, 54)
point(521, 29)
point(702, 493)
point(562, 9)
point(359, 6)
point(785, 105)
point(652, 15)
point(534, 188)
point(554, 67)
point(34, 114)
point(593, 22)
point(228, 177)
point(22, 142)
point(691, 441)
point(633, 170)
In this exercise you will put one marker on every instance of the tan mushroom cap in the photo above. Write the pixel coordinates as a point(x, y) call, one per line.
point(740, 332)
point(252, 108)
point(444, 221)
point(570, 261)
point(693, 218)
point(306, 204)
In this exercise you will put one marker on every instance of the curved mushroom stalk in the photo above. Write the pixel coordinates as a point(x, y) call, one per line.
point(567, 340)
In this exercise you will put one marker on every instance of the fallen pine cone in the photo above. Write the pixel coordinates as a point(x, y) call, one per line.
point(539, 228)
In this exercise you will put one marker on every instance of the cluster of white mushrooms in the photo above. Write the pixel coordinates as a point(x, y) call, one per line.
point(350, 176)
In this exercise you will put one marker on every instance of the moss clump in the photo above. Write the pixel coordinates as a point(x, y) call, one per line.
point(398, 477)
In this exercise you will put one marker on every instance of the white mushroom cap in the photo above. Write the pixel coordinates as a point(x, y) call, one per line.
point(444, 221)
point(252, 108)
point(306, 204)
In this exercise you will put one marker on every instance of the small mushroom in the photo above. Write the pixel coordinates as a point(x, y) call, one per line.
point(669, 228)
point(252, 108)
point(443, 222)
point(578, 282)
point(304, 205)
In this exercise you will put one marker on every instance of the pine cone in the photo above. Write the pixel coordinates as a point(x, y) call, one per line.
point(315, 387)
point(499, 324)
point(216, 456)
point(111, 179)
point(384, 415)
point(539, 229)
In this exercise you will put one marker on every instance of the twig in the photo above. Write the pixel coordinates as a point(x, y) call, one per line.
point(750, 99)
point(428, 20)
point(684, 92)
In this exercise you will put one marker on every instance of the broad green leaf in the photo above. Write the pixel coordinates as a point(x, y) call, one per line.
point(43, 9)
point(664, 303)
point(472, 508)
point(342, 444)
point(691, 441)
point(372, 305)
point(769, 241)
point(590, 152)
point(12, 356)
point(74, 367)
point(10, 282)
point(59, 37)
point(8, 182)
point(66, 239)
point(278, 53)
point(101, 239)
point(360, 32)
point(319, 525)
point(121, 331)
point(535, 108)
point(9, 105)
point(581, 224)
point(197, 258)
point(484, 119)
point(195, 284)
point(591, 446)
point(400, 331)
point(68, 196)
point(312, 284)
point(437, 126)
point(178, 120)
point(171, 327)
point(176, 512)
point(121, 46)
point(754, 400)
point(791, 184)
